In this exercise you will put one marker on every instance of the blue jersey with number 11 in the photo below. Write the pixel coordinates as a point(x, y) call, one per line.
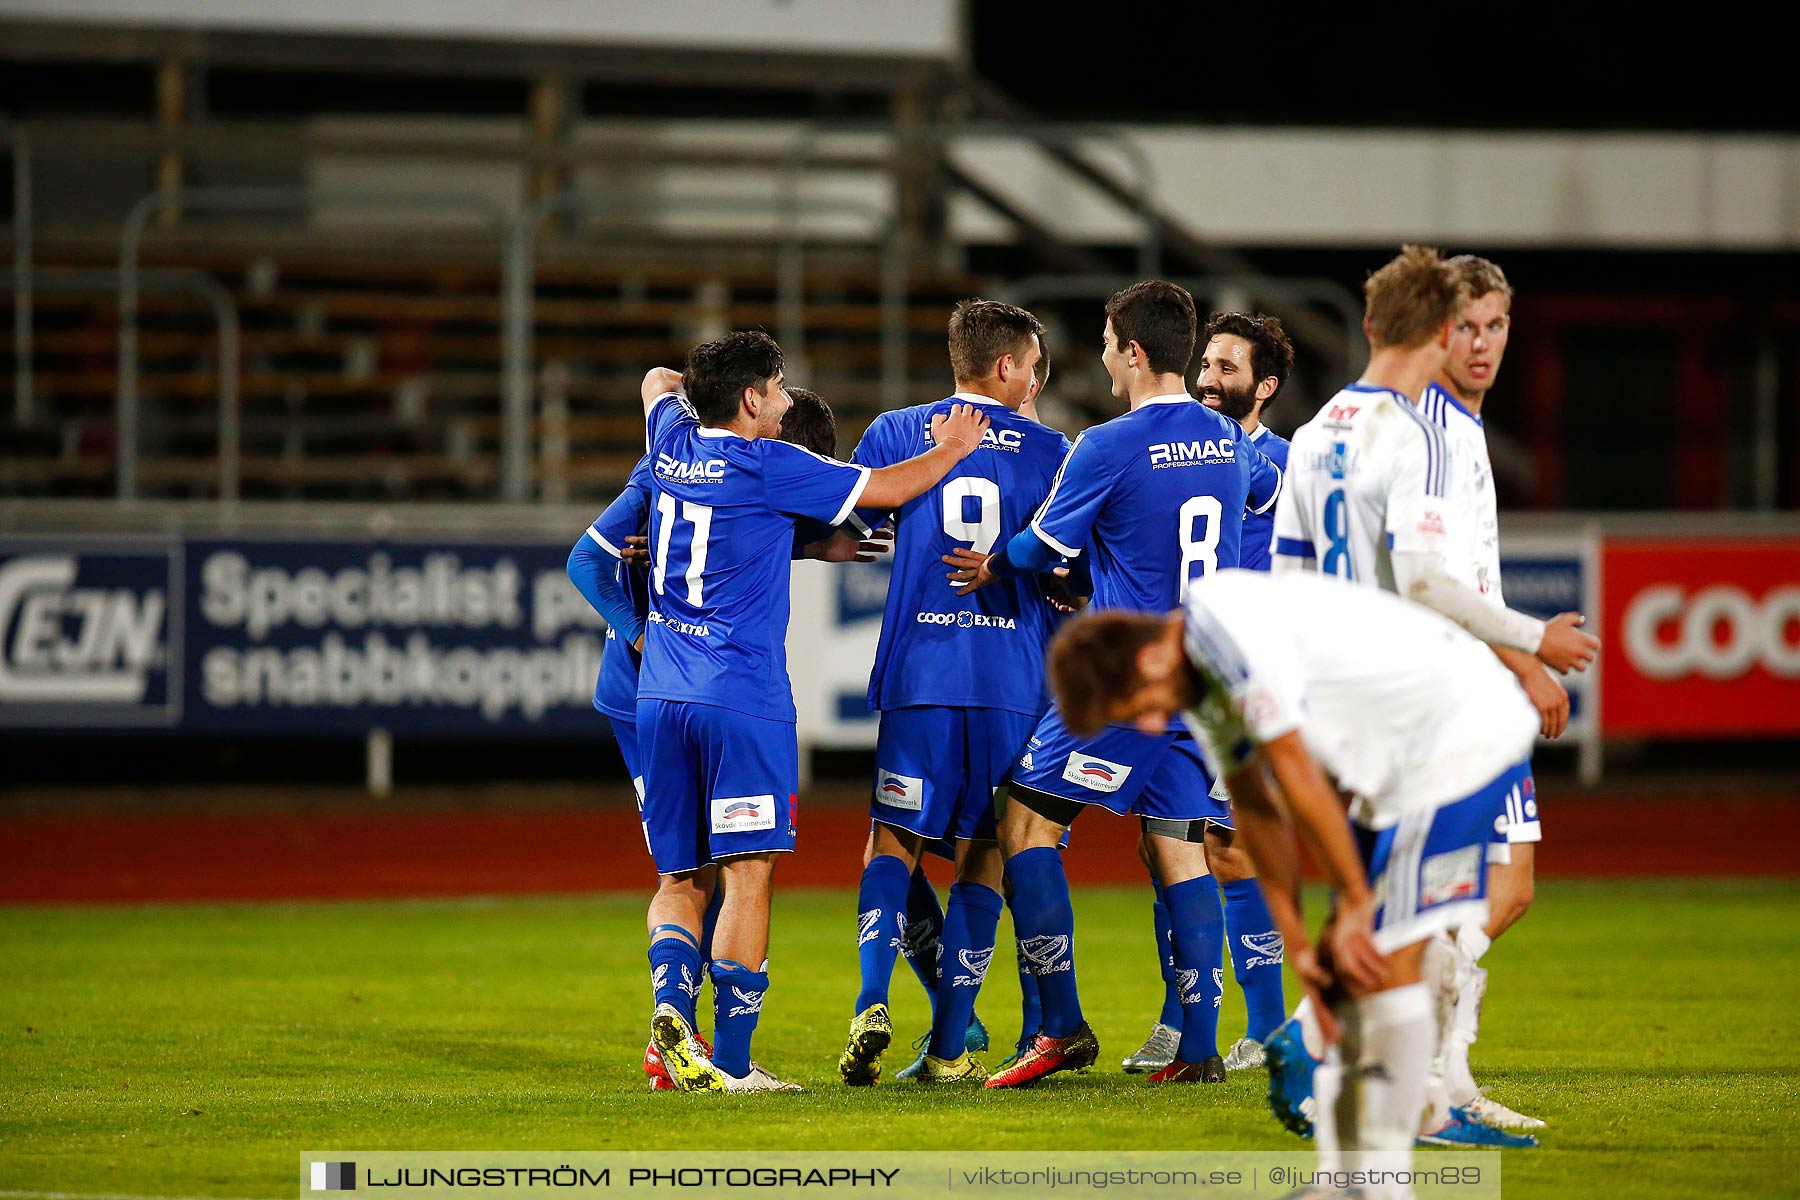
point(1157, 498)
point(721, 541)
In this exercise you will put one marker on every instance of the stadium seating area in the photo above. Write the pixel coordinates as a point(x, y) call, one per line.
point(369, 376)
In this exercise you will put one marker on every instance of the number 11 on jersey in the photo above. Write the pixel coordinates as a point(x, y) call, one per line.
point(700, 517)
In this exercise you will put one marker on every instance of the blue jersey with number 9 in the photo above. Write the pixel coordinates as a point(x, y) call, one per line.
point(986, 649)
point(721, 542)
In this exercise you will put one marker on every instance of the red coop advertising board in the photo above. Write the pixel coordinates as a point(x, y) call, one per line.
point(1702, 637)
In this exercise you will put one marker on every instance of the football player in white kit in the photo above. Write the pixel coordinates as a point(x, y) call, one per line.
point(1369, 478)
point(1415, 724)
point(1377, 494)
point(1454, 404)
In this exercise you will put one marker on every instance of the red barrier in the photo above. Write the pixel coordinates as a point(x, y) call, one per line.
point(1702, 637)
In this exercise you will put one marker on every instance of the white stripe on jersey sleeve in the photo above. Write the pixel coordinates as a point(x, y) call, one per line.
point(604, 544)
point(855, 492)
point(1043, 508)
point(1280, 483)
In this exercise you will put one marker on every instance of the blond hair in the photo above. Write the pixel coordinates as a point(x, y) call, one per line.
point(1408, 300)
point(1476, 277)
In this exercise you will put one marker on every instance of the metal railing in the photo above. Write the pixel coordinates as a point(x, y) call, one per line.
point(199, 283)
point(1340, 300)
point(517, 236)
point(231, 200)
point(521, 276)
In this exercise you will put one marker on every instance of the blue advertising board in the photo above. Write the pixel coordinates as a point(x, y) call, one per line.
point(296, 637)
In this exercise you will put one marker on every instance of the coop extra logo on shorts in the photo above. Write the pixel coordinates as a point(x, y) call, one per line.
point(86, 635)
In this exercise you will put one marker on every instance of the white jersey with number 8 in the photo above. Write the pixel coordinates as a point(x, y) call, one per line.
point(1367, 476)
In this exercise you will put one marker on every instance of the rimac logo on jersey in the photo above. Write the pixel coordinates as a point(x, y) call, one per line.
point(710, 470)
point(1095, 774)
point(1191, 454)
point(997, 439)
point(89, 630)
point(899, 791)
point(738, 814)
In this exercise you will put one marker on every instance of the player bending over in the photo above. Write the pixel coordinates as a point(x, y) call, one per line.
point(1372, 702)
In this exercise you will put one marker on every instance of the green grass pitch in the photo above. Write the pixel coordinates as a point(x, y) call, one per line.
point(195, 1051)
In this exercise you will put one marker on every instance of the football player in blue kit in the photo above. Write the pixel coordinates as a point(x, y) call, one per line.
point(1154, 498)
point(715, 711)
point(611, 570)
point(1244, 360)
point(958, 682)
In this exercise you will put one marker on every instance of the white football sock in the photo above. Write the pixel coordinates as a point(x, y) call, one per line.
point(1328, 1084)
point(1473, 941)
point(1458, 1076)
point(1393, 1054)
point(1311, 1036)
point(1439, 970)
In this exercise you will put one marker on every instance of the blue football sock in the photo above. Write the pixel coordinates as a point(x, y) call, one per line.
point(675, 973)
point(924, 933)
point(1031, 1009)
point(1256, 954)
point(970, 923)
point(1045, 921)
point(1198, 926)
point(1165, 953)
point(710, 922)
point(737, 1003)
point(880, 909)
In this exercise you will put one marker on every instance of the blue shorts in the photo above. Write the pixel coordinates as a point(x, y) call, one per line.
point(936, 768)
point(1429, 872)
point(625, 734)
point(717, 783)
point(1130, 772)
point(1518, 822)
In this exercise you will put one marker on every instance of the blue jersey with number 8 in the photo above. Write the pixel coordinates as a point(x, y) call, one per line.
point(721, 541)
point(1157, 497)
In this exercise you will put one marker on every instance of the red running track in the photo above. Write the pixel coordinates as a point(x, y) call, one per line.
point(271, 856)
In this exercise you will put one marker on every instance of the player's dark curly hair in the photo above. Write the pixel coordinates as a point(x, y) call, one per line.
point(809, 422)
point(718, 372)
point(1093, 662)
point(1271, 353)
point(1159, 316)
